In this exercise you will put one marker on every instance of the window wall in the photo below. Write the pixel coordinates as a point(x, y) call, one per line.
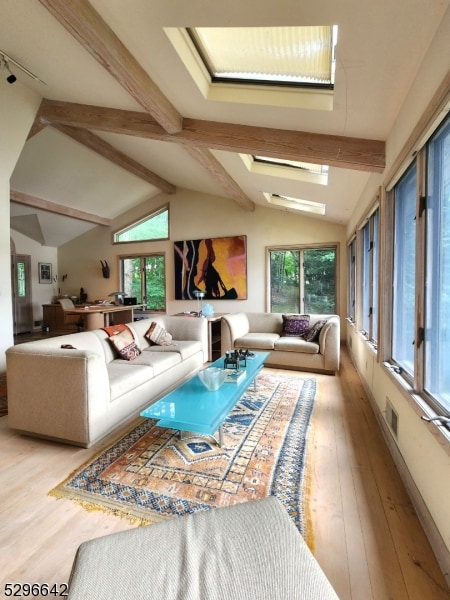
point(414, 270)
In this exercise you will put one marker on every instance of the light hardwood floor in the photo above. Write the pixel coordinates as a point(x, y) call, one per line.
point(366, 535)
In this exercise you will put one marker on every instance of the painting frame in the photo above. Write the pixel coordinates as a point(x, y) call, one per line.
point(45, 272)
point(217, 266)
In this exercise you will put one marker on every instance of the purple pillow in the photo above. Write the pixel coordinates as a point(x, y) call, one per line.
point(313, 333)
point(295, 325)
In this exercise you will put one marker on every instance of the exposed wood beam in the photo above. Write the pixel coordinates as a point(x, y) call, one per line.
point(95, 143)
point(37, 126)
point(58, 209)
point(83, 22)
point(205, 158)
point(337, 151)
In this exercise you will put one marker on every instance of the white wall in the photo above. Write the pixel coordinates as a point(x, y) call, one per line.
point(195, 216)
point(423, 454)
point(18, 107)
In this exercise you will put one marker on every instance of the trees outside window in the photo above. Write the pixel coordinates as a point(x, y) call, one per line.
point(303, 279)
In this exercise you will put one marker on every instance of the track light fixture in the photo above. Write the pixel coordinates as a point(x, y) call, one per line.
point(11, 78)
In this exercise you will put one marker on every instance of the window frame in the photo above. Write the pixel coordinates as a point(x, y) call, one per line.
point(414, 385)
point(143, 257)
point(147, 217)
point(302, 248)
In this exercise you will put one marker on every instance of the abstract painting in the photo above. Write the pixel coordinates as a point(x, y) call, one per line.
point(216, 266)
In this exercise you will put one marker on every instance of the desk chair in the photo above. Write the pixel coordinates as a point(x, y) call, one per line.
point(67, 304)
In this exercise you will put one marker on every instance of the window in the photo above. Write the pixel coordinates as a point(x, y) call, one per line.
point(420, 333)
point(268, 55)
point(152, 227)
point(437, 266)
point(351, 270)
point(369, 278)
point(143, 278)
point(404, 271)
point(303, 280)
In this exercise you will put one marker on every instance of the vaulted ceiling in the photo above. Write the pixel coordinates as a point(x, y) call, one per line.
point(123, 119)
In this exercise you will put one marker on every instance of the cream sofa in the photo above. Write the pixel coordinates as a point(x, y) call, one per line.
point(263, 331)
point(78, 395)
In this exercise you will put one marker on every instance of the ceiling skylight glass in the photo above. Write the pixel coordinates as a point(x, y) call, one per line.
point(294, 164)
point(296, 56)
point(296, 203)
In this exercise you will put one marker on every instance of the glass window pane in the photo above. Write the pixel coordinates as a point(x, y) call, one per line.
point(155, 278)
point(404, 271)
point(437, 313)
point(320, 280)
point(284, 281)
point(375, 258)
point(131, 278)
point(365, 278)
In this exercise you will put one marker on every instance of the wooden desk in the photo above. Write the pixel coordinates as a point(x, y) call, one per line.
point(98, 316)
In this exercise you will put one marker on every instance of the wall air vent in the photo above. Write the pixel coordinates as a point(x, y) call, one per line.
point(391, 417)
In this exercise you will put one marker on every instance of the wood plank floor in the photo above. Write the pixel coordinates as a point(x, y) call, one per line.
point(366, 535)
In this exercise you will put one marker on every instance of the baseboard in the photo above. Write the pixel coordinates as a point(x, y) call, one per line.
point(437, 544)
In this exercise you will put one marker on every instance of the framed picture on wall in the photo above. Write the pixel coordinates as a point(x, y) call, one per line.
point(45, 272)
point(216, 266)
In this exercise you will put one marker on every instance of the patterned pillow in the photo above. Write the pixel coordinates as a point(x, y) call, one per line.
point(125, 344)
point(158, 335)
point(295, 325)
point(313, 333)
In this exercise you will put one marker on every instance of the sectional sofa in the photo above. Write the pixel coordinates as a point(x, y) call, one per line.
point(306, 342)
point(78, 387)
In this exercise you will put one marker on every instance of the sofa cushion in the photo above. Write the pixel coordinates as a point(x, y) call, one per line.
point(296, 344)
point(295, 325)
point(313, 332)
point(158, 361)
point(261, 341)
point(125, 345)
point(184, 348)
point(158, 335)
point(125, 377)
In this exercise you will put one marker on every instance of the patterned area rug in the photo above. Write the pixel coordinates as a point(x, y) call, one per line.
point(151, 474)
point(3, 397)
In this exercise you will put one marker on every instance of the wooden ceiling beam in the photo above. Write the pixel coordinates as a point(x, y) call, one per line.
point(84, 23)
point(95, 143)
point(213, 166)
point(65, 211)
point(332, 150)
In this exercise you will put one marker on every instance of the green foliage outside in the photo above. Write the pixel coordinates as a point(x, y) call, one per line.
point(315, 268)
point(154, 228)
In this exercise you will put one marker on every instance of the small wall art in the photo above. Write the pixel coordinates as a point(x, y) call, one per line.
point(217, 266)
point(45, 272)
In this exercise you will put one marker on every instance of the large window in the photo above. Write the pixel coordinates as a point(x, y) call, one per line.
point(370, 253)
point(143, 278)
point(303, 280)
point(351, 271)
point(404, 275)
point(437, 267)
point(420, 331)
point(152, 227)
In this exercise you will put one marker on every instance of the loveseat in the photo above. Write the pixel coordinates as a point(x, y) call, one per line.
point(77, 388)
point(290, 347)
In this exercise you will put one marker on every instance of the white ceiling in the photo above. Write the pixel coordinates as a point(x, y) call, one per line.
point(380, 48)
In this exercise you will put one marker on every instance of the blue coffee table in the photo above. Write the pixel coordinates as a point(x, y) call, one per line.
point(191, 407)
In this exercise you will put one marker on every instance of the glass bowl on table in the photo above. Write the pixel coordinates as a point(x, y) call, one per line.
point(212, 378)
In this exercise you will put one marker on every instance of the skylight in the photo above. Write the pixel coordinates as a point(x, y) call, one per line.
point(293, 164)
point(294, 56)
point(296, 203)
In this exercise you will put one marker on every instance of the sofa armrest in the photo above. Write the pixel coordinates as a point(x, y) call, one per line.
point(55, 392)
point(330, 343)
point(232, 326)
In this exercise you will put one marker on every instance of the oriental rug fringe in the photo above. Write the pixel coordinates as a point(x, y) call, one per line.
point(150, 474)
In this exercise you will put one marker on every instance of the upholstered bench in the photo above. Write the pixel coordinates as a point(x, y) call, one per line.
point(247, 551)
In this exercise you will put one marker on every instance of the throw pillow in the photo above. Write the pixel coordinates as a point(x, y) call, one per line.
point(295, 325)
point(125, 344)
point(158, 335)
point(313, 333)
